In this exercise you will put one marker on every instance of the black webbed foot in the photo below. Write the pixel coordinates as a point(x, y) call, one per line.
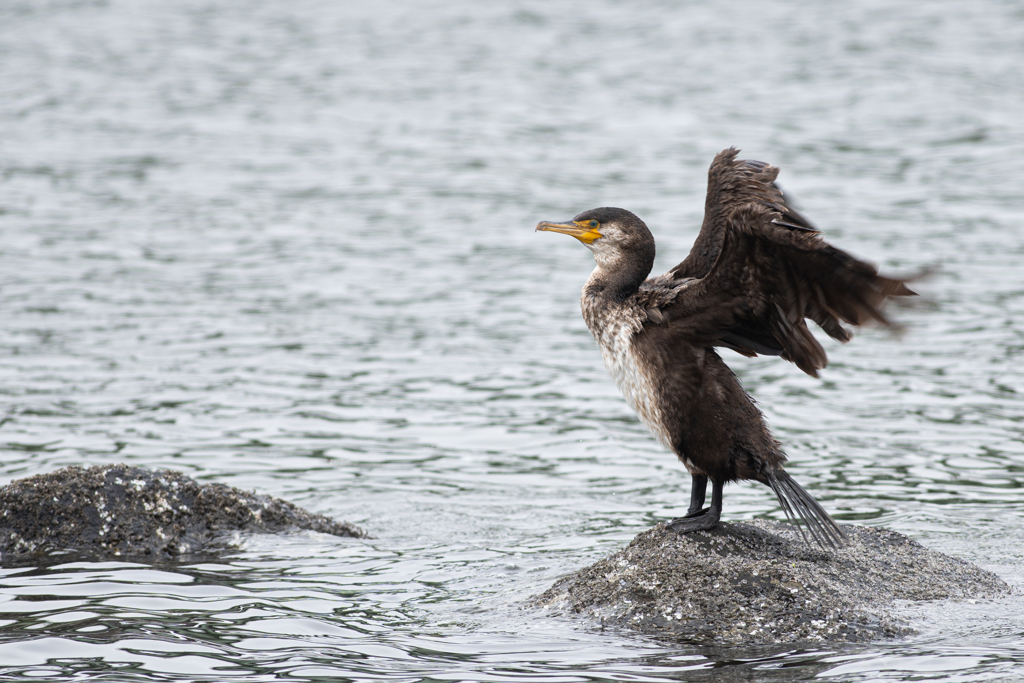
point(697, 518)
point(699, 521)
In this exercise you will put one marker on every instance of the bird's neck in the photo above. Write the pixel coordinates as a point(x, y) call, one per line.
point(617, 282)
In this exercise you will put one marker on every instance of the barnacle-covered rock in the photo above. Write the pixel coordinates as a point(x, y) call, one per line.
point(759, 582)
point(123, 511)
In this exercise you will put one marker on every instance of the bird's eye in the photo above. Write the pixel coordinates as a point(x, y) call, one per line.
point(593, 224)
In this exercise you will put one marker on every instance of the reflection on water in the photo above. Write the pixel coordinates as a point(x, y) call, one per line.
point(288, 246)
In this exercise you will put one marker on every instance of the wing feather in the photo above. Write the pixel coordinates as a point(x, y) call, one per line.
point(766, 279)
point(732, 183)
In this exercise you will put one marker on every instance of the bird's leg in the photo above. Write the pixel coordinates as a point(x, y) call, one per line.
point(698, 489)
point(706, 519)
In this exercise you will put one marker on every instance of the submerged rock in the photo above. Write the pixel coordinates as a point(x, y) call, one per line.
point(123, 511)
point(758, 582)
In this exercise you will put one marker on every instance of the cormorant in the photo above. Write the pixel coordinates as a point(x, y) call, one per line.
point(756, 271)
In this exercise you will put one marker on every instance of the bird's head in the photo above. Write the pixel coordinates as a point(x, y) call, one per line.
point(618, 239)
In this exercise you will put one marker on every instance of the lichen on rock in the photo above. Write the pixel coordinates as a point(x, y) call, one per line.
point(759, 582)
point(123, 511)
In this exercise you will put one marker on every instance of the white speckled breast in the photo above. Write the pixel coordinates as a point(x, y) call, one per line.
point(614, 329)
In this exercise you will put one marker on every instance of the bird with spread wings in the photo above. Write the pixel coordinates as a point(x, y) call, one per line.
point(756, 273)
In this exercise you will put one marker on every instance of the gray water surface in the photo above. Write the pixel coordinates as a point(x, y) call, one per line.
point(289, 246)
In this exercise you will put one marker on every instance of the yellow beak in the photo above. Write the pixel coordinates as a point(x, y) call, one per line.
point(581, 231)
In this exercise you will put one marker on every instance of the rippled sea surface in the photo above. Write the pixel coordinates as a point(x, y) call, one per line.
point(289, 246)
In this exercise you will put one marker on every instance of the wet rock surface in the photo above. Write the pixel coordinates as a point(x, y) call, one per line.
point(758, 582)
point(123, 511)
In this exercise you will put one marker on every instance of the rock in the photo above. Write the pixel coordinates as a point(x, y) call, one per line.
point(757, 582)
point(117, 510)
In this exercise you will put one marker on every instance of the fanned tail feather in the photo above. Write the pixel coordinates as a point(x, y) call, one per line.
point(799, 506)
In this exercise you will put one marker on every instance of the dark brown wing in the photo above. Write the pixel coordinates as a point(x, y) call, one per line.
point(768, 277)
point(733, 183)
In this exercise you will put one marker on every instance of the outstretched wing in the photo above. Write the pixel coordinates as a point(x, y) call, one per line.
point(768, 276)
point(733, 183)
